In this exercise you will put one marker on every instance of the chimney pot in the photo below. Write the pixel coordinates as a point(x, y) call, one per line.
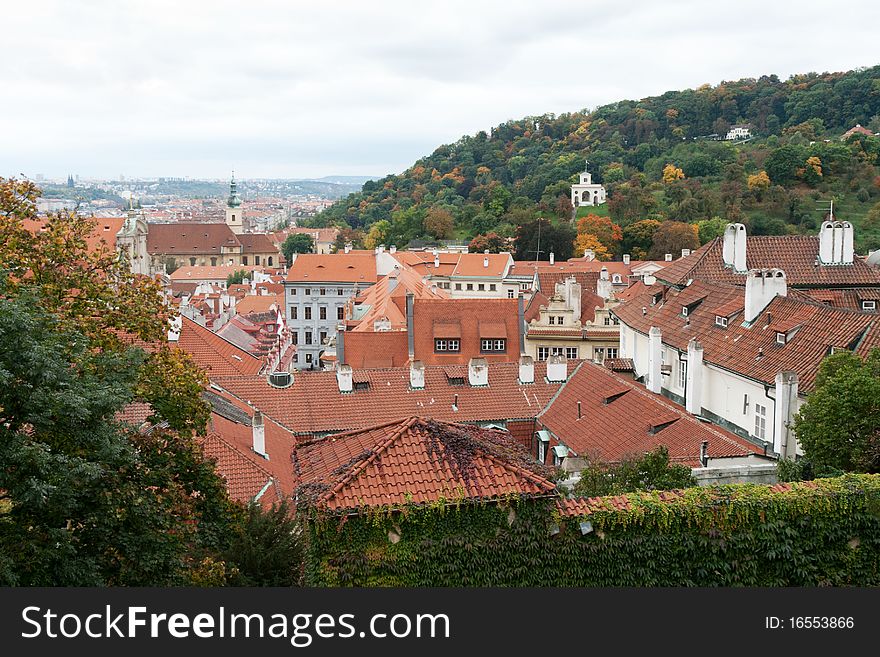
point(259, 434)
point(552, 257)
point(626, 258)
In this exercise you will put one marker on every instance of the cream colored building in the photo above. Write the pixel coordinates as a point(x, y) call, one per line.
point(575, 323)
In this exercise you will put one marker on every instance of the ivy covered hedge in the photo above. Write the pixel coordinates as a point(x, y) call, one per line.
point(825, 532)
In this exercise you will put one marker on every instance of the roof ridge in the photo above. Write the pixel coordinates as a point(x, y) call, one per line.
point(378, 449)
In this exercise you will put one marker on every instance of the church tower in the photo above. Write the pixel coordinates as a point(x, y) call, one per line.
point(234, 211)
point(132, 241)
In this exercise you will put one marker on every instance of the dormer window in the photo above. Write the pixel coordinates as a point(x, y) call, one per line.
point(720, 321)
point(780, 338)
point(869, 305)
point(684, 311)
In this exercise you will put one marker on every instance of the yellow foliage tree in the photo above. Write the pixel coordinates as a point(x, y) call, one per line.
point(759, 182)
point(815, 164)
point(671, 173)
point(586, 241)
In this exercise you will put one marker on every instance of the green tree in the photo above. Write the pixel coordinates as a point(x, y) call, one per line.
point(709, 229)
point(558, 239)
point(839, 424)
point(638, 237)
point(379, 233)
point(266, 547)
point(651, 471)
point(297, 243)
point(237, 277)
point(90, 501)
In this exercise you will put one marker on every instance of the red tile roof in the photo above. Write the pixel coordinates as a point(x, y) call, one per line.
point(213, 353)
point(208, 272)
point(472, 265)
point(246, 480)
point(752, 351)
point(256, 243)
point(444, 318)
point(796, 255)
point(333, 268)
point(313, 404)
point(189, 238)
point(259, 303)
point(414, 461)
point(619, 418)
point(387, 298)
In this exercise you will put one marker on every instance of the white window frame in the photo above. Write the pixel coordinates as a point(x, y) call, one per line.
point(493, 344)
point(611, 352)
point(760, 421)
point(447, 345)
point(869, 305)
point(543, 353)
point(780, 338)
point(720, 321)
point(571, 353)
point(682, 373)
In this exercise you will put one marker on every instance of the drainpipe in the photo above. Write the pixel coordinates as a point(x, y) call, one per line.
point(410, 329)
point(522, 322)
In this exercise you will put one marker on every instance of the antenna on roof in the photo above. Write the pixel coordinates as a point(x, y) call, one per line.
point(538, 250)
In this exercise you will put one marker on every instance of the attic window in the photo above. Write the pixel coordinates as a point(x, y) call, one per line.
point(361, 385)
point(720, 321)
point(869, 305)
point(658, 426)
point(455, 380)
point(655, 298)
point(780, 338)
point(684, 311)
point(614, 396)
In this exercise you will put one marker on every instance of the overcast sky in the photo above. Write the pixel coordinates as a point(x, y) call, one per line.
point(306, 89)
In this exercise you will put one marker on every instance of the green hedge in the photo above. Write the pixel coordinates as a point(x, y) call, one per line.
point(825, 532)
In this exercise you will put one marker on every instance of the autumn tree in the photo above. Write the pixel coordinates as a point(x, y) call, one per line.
point(671, 173)
point(492, 242)
point(758, 184)
point(352, 236)
point(379, 233)
point(439, 223)
point(672, 237)
point(589, 242)
point(602, 229)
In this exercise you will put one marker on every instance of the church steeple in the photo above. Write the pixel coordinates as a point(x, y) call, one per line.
point(234, 211)
point(234, 199)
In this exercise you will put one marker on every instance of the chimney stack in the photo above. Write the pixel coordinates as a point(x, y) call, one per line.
point(685, 253)
point(410, 335)
point(552, 257)
point(704, 453)
point(526, 369)
point(486, 261)
point(557, 368)
point(174, 326)
point(762, 286)
point(655, 350)
point(734, 247)
point(668, 257)
point(626, 258)
point(417, 375)
point(784, 442)
point(603, 273)
point(392, 249)
point(344, 378)
point(436, 259)
point(348, 246)
point(836, 243)
point(259, 434)
point(478, 372)
point(694, 384)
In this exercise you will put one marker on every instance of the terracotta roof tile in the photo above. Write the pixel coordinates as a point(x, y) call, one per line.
point(416, 461)
point(796, 255)
point(213, 353)
point(189, 238)
point(752, 350)
point(333, 268)
point(633, 422)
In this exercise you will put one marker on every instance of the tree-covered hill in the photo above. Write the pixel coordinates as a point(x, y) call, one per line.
point(780, 181)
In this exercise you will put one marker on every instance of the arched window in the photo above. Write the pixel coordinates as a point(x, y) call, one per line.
point(270, 261)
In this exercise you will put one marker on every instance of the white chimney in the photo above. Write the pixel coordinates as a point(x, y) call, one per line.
point(436, 260)
point(392, 249)
point(837, 240)
point(417, 375)
point(848, 250)
point(486, 261)
point(734, 247)
point(784, 442)
point(668, 257)
point(762, 286)
point(655, 350)
point(826, 243)
point(259, 432)
point(557, 368)
point(381, 248)
point(604, 288)
point(685, 253)
point(348, 246)
point(478, 372)
point(626, 258)
point(589, 255)
point(552, 257)
point(344, 378)
point(603, 273)
point(174, 326)
point(694, 384)
point(526, 369)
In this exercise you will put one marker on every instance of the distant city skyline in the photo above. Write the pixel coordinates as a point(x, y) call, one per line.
point(304, 90)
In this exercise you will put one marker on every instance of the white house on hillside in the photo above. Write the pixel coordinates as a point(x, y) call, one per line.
point(586, 192)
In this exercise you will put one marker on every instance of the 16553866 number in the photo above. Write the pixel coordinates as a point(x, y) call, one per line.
point(821, 622)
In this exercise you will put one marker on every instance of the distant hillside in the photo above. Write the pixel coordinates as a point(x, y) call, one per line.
point(521, 169)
